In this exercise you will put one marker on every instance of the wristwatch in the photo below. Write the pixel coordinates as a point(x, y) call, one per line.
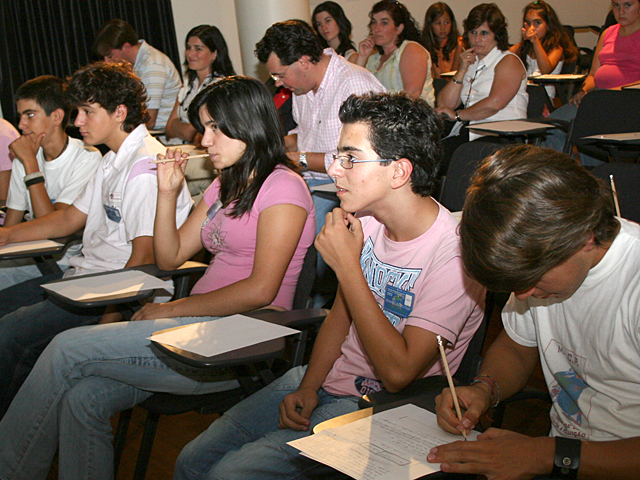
point(567, 458)
point(302, 161)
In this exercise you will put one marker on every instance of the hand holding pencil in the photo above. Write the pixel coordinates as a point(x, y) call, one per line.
point(171, 167)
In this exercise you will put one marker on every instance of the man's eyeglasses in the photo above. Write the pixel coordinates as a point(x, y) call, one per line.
point(347, 161)
point(278, 77)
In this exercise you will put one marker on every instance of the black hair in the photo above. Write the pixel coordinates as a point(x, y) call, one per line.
point(400, 127)
point(48, 92)
point(243, 109)
point(110, 85)
point(344, 25)
point(213, 39)
point(289, 40)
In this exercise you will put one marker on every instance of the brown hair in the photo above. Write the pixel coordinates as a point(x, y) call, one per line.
point(529, 209)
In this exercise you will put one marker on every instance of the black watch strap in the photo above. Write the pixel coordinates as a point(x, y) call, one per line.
point(567, 458)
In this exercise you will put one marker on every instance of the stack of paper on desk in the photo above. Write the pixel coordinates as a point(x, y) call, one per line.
point(390, 445)
point(93, 288)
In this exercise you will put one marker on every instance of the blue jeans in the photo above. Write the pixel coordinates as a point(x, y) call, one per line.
point(28, 324)
point(80, 381)
point(555, 138)
point(323, 203)
point(246, 444)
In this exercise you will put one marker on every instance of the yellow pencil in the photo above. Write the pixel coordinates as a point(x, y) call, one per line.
point(450, 380)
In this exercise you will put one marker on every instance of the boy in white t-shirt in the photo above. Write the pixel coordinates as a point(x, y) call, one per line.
point(50, 169)
point(116, 209)
point(401, 283)
point(537, 224)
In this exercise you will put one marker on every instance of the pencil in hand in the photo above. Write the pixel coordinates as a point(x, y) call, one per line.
point(169, 160)
point(450, 380)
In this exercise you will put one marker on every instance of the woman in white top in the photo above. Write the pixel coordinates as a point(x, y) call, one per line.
point(392, 52)
point(206, 60)
point(545, 45)
point(491, 82)
point(334, 29)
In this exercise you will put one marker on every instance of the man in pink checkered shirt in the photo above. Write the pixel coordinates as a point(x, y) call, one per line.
point(321, 80)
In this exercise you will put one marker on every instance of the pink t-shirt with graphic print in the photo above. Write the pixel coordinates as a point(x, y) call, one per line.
point(232, 241)
point(425, 286)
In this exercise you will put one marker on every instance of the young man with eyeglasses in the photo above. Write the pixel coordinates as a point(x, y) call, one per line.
point(320, 81)
point(401, 283)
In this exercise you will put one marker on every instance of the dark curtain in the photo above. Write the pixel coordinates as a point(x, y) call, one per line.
point(54, 37)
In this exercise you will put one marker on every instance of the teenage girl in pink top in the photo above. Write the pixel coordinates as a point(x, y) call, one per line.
point(257, 218)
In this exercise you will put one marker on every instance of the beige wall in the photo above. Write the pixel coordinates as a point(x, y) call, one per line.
point(222, 13)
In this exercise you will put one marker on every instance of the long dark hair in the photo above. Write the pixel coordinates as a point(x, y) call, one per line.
point(429, 40)
point(336, 11)
point(400, 16)
point(556, 35)
point(244, 110)
point(213, 39)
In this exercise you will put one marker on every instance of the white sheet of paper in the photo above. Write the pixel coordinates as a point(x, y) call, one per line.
point(618, 137)
point(390, 445)
point(27, 246)
point(222, 335)
point(325, 187)
point(563, 76)
point(93, 288)
point(632, 87)
point(509, 126)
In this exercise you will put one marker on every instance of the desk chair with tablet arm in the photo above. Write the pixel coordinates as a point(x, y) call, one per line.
point(252, 366)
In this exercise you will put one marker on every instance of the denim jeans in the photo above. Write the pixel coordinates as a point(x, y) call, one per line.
point(246, 444)
point(323, 204)
point(555, 138)
point(28, 324)
point(80, 381)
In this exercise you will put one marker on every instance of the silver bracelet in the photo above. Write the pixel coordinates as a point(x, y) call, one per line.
point(456, 81)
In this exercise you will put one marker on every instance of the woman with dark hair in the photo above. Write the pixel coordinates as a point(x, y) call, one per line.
point(393, 53)
point(257, 219)
point(545, 45)
point(441, 39)
point(490, 84)
point(334, 29)
point(206, 61)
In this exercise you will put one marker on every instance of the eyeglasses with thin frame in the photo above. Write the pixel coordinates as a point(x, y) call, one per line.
point(347, 161)
point(278, 77)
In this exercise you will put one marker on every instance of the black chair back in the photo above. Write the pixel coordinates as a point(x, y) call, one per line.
point(463, 165)
point(538, 98)
point(627, 181)
point(602, 112)
point(302, 295)
point(439, 84)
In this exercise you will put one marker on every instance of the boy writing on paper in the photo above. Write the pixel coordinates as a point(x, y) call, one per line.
point(401, 284)
point(116, 210)
point(50, 169)
point(537, 224)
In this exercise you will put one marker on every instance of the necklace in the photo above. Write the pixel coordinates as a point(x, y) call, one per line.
point(476, 75)
point(66, 144)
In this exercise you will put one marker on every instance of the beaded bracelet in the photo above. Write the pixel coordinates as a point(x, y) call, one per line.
point(490, 382)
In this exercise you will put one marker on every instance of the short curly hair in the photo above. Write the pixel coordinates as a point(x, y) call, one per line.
point(290, 41)
point(400, 127)
point(529, 209)
point(110, 85)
